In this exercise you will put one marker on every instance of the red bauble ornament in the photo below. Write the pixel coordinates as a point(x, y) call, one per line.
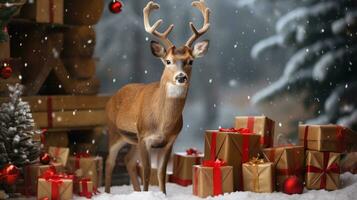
point(6, 72)
point(115, 6)
point(10, 174)
point(293, 185)
point(45, 158)
point(51, 171)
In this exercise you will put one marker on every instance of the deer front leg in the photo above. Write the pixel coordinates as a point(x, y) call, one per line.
point(144, 150)
point(165, 156)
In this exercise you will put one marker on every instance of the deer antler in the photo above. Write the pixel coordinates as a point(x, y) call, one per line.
point(152, 29)
point(200, 5)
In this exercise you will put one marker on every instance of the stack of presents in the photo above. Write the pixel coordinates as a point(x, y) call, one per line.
point(50, 46)
point(244, 158)
point(63, 176)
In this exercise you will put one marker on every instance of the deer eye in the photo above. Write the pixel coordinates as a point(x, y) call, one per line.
point(168, 62)
point(190, 62)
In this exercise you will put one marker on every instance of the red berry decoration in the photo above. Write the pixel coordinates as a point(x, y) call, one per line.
point(45, 158)
point(115, 6)
point(6, 72)
point(10, 174)
point(293, 185)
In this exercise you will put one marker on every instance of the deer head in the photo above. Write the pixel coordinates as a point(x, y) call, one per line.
point(177, 61)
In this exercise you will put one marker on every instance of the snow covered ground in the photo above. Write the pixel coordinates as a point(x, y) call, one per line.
point(175, 192)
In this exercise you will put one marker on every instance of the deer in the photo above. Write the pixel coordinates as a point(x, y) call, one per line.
point(149, 115)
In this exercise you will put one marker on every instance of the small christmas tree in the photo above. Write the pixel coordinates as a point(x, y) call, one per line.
point(17, 131)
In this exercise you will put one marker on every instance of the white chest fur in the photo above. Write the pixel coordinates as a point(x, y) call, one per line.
point(176, 91)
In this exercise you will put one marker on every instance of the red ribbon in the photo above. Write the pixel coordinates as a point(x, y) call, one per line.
point(217, 174)
point(85, 192)
point(340, 136)
point(43, 136)
point(180, 181)
point(334, 168)
point(49, 110)
point(306, 133)
point(192, 151)
point(195, 180)
point(267, 137)
point(51, 10)
point(250, 124)
point(78, 157)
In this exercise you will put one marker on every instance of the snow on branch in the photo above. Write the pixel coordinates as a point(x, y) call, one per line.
point(268, 43)
point(305, 57)
point(303, 14)
point(341, 26)
point(340, 96)
point(284, 85)
point(349, 120)
point(331, 62)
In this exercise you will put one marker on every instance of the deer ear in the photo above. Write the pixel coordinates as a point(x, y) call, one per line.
point(157, 49)
point(200, 49)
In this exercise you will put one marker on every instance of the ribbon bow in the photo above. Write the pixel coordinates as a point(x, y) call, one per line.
point(82, 155)
point(256, 161)
point(214, 163)
point(192, 151)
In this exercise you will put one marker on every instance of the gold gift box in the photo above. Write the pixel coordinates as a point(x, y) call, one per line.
point(288, 161)
point(59, 154)
point(229, 147)
point(89, 167)
point(182, 167)
point(65, 189)
point(322, 170)
point(332, 138)
point(260, 125)
point(203, 180)
point(259, 177)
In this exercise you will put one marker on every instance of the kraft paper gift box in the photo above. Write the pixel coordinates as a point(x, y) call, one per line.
point(260, 125)
point(258, 176)
point(43, 11)
point(332, 138)
point(85, 166)
point(232, 147)
point(182, 166)
point(288, 161)
point(212, 179)
point(59, 154)
point(31, 174)
point(55, 188)
point(322, 170)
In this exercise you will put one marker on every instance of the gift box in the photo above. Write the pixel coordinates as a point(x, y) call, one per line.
point(43, 11)
point(86, 166)
point(288, 161)
point(31, 174)
point(59, 154)
point(4, 50)
point(258, 176)
point(260, 125)
point(234, 148)
point(212, 178)
point(182, 166)
point(55, 187)
point(84, 187)
point(322, 170)
point(331, 138)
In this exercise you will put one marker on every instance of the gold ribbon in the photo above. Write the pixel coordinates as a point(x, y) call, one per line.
point(255, 161)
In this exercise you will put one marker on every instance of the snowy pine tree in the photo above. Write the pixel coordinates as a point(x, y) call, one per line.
point(17, 130)
point(322, 36)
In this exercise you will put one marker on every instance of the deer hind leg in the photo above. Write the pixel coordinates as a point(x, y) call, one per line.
point(131, 164)
point(114, 146)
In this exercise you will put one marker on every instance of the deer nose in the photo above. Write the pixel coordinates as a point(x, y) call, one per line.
point(181, 78)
